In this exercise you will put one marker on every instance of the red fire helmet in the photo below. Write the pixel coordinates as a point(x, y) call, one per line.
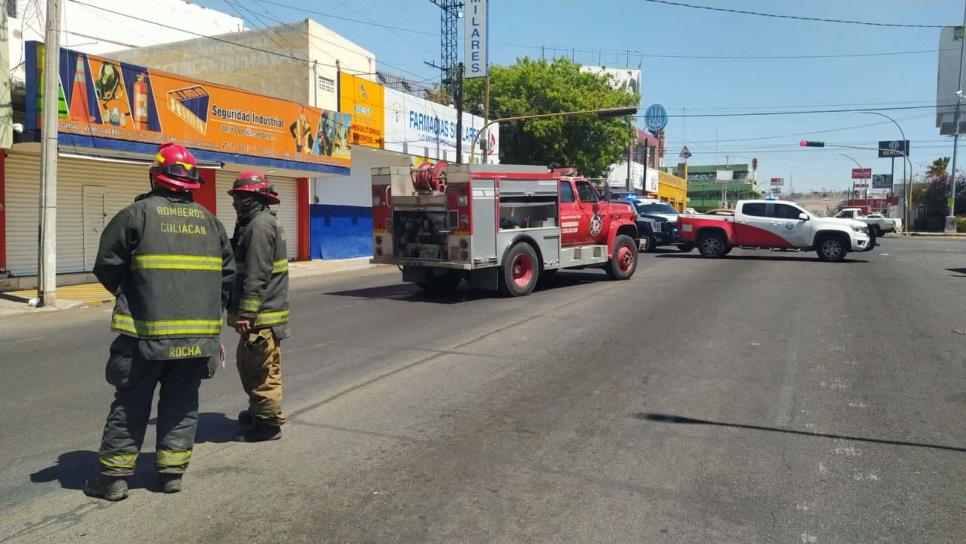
point(175, 168)
point(257, 184)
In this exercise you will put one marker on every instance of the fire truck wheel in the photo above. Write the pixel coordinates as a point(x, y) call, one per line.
point(521, 268)
point(624, 262)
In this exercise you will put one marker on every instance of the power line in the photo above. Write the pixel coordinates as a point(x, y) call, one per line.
point(793, 17)
point(797, 112)
point(643, 54)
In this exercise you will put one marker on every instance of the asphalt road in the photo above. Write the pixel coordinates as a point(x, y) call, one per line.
point(764, 397)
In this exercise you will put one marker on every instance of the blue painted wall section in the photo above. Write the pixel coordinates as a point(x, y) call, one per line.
point(340, 232)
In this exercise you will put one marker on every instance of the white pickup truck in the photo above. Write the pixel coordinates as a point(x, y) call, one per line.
point(774, 224)
point(878, 223)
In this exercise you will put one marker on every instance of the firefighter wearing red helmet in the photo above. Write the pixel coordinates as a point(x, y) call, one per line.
point(258, 307)
point(170, 265)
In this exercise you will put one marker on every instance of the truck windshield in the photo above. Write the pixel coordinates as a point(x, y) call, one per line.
point(655, 208)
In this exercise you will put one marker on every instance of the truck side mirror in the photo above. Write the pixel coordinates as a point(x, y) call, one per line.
point(803, 216)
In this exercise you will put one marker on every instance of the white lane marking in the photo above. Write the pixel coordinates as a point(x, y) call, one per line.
point(822, 469)
point(848, 451)
point(870, 477)
point(809, 539)
point(854, 403)
point(835, 384)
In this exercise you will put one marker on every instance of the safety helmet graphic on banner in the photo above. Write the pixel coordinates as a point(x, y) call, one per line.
point(255, 183)
point(175, 168)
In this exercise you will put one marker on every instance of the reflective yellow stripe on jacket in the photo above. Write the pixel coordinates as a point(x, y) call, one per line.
point(280, 266)
point(271, 318)
point(175, 262)
point(171, 327)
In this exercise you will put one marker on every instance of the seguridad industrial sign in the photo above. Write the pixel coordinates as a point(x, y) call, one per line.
point(110, 105)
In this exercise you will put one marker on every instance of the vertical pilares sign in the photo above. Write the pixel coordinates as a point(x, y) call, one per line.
point(475, 36)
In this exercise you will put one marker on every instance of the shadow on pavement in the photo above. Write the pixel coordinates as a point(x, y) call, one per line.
point(667, 418)
point(960, 271)
point(758, 258)
point(411, 293)
point(71, 470)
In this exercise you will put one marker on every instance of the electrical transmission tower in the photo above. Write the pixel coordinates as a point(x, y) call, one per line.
point(448, 43)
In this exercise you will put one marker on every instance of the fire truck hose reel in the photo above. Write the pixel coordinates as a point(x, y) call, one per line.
point(429, 178)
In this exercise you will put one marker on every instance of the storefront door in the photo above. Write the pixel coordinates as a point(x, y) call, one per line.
point(94, 220)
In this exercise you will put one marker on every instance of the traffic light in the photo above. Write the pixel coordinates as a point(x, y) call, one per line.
point(811, 143)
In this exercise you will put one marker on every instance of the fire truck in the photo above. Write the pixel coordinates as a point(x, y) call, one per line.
point(500, 227)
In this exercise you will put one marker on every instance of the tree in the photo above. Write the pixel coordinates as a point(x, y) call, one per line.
point(587, 142)
point(932, 197)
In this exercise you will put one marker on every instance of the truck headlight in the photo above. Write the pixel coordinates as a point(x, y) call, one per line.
point(861, 229)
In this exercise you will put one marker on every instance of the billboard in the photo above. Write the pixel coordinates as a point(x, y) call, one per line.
point(364, 100)
point(861, 173)
point(475, 37)
point(621, 78)
point(882, 181)
point(777, 181)
point(110, 105)
point(416, 126)
point(893, 148)
point(949, 80)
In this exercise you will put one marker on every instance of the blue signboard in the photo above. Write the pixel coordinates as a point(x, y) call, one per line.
point(655, 118)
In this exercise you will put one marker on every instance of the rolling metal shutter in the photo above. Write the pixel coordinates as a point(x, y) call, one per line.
point(287, 210)
point(122, 183)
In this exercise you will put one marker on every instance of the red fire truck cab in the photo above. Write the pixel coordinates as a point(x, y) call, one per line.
point(498, 226)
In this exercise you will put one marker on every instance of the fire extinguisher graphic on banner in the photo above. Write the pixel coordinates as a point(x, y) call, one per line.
point(141, 103)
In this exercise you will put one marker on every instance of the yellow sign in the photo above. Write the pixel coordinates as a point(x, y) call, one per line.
point(365, 101)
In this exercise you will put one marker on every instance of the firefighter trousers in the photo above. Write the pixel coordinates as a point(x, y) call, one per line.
point(260, 369)
point(135, 380)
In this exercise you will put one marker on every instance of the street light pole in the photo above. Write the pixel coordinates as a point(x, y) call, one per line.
point(609, 112)
point(905, 190)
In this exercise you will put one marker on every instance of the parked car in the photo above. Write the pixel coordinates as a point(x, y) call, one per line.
point(878, 223)
point(657, 223)
point(721, 211)
point(773, 224)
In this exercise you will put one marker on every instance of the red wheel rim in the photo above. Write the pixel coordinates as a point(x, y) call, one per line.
point(522, 270)
point(625, 259)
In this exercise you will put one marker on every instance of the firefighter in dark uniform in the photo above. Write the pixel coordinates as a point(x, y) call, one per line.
point(170, 265)
point(258, 308)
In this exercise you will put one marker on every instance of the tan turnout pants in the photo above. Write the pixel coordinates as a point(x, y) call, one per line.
point(259, 359)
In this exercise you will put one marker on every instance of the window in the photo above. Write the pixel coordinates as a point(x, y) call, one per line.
point(784, 211)
point(586, 192)
point(755, 209)
point(656, 208)
point(566, 192)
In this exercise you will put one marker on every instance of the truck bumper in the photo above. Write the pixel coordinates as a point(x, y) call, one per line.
point(423, 263)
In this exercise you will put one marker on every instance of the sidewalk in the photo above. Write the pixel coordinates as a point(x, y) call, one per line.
point(15, 303)
point(935, 234)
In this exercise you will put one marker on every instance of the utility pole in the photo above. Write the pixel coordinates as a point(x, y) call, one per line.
point(951, 218)
point(459, 113)
point(47, 254)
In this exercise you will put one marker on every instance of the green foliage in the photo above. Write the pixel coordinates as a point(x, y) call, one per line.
point(960, 223)
point(535, 86)
point(931, 197)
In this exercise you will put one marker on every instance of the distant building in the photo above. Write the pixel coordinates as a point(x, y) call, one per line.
point(705, 192)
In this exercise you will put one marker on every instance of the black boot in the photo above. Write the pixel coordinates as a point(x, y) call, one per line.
point(171, 483)
point(259, 432)
point(245, 418)
point(108, 488)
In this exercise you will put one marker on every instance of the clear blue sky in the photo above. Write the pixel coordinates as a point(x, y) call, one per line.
point(695, 85)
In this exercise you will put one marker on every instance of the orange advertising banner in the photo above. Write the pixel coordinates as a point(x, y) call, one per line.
point(107, 104)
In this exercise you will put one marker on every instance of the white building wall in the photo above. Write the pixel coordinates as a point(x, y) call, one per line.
point(356, 188)
point(95, 31)
point(326, 50)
